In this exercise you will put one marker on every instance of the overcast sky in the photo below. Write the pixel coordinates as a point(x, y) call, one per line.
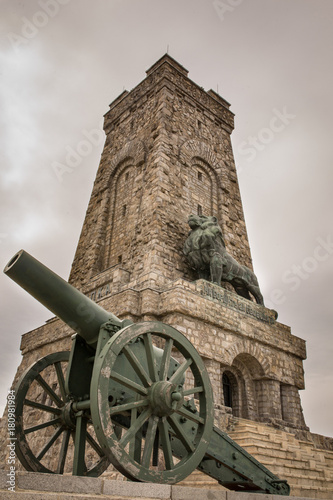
point(63, 62)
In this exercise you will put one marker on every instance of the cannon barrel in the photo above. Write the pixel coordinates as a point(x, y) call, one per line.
point(61, 298)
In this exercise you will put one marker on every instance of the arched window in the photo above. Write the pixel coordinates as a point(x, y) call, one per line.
point(124, 210)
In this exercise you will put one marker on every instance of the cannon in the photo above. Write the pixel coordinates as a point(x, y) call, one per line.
point(136, 395)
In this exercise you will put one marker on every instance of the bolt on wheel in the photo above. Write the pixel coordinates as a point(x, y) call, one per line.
point(150, 381)
point(45, 423)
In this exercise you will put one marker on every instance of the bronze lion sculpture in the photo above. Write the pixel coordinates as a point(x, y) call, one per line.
point(206, 253)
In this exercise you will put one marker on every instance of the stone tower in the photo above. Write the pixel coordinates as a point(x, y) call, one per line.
point(168, 154)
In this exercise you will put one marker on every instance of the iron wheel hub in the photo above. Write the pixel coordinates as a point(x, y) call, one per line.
point(165, 398)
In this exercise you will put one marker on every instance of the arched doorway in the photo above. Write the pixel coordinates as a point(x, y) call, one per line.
point(251, 373)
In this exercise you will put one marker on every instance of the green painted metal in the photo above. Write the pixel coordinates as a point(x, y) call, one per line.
point(61, 298)
point(79, 467)
point(143, 386)
point(81, 362)
point(52, 419)
point(236, 469)
point(154, 400)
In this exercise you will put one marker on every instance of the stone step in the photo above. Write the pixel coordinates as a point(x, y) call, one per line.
point(246, 441)
point(270, 437)
point(256, 435)
point(292, 459)
point(202, 484)
point(295, 478)
point(296, 465)
point(307, 480)
point(35, 486)
point(281, 457)
point(319, 493)
point(200, 480)
point(296, 448)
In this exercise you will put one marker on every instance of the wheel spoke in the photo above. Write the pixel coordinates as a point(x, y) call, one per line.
point(129, 383)
point(63, 452)
point(93, 443)
point(180, 433)
point(49, 391)
point(165, 362)
point(166, 443)
point(147, 340)
point(129, 406)
point(188, 392)
point(61, 379)
point(137, 366)
point(42, 426)
point(190, 416)
point(156, 449)
point(40, 406)
point(79, 466)
point(135, 443)
point(138, 423)
point(50, 442)
point(149, 443)
point(180, 371)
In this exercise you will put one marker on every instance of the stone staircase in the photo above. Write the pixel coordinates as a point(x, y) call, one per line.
point(308, 470)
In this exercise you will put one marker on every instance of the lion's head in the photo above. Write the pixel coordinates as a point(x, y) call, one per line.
point(195, 221)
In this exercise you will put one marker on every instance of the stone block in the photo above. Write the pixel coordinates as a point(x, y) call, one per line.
point(3, 479)
point(38, 495)
point(57, 483)
point(31, 495)
point(236, 495)
point(186, 493)
point(137, 490)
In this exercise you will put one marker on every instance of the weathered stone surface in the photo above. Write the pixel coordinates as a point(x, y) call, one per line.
point(57, 483)
point(181, 493)
point(146, 490)
point(236, 495)
point(167, 152)
point(45, 486)
point(3, 479)
point(115, 490)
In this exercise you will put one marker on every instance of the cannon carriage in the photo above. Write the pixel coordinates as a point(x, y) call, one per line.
point(136, 395)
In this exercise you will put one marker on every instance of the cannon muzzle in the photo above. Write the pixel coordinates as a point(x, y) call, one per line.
point(61, 298)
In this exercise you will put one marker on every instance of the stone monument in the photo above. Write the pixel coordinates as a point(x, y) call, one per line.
point(167, 155)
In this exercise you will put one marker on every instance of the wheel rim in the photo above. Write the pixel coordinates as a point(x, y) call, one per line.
point(142, 389)
point(45, 424)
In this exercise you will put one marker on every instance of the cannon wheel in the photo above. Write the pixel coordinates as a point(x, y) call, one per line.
point(53, 418)
point(154, 428)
